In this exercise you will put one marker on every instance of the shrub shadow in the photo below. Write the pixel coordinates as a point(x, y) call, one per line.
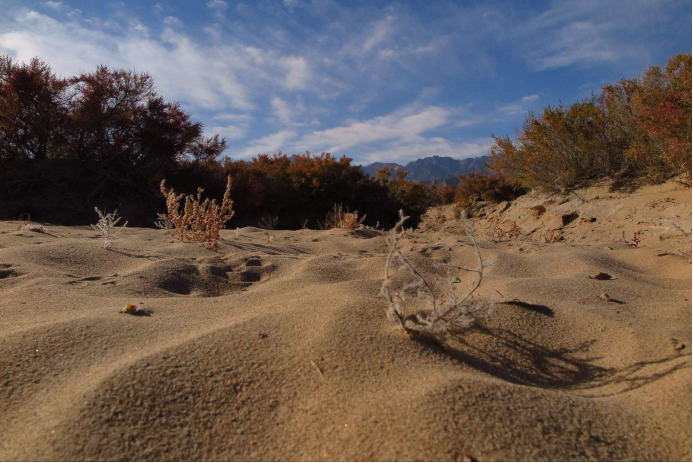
point(283, 249)
point(508, 356)
point(538, 308)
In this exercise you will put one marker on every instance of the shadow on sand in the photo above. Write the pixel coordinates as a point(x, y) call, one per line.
point(513, 358)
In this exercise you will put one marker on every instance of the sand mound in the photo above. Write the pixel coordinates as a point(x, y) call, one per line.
point(282, 350)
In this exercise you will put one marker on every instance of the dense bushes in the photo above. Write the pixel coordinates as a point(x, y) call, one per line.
point(106, 139)
point(299, 189)
point(99, 139)
point(490, 187)
point(637, 128)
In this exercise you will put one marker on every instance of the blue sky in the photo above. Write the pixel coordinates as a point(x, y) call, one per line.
point(377, 81)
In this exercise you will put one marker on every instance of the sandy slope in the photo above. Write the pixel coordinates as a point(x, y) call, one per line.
point(284, 352)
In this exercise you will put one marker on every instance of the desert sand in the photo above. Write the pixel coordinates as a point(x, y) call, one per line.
point(282, 351)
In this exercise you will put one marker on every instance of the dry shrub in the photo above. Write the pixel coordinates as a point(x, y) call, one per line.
point(440, 218)
point(689, 236)
point(639, 128)
point(551, 236)
point(107, 227)
point(491, 187)
point(201, 220)
point(563, 147)
point(406, 285)
point(634, 243)
point(497, 232)
point(29, 226)
point(268, 222)
point(340, 218)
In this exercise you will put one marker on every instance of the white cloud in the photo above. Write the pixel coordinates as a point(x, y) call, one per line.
point(268, 145)
point(230, 132)
point(578, 43)
point(588, 32)
point(520, 106)
point(54, 5)
point(232, 117)
point(282, 110)
point(381, 30)
point(297, 72)
point(218, 7)
point(217, 76)
point(173, 21)
point(399, 136)
point(405, 124)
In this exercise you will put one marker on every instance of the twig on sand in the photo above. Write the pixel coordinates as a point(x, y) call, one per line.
point(317, 368)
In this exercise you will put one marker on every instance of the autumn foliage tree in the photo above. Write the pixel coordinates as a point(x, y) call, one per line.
point(302, 188)
point(653, 116)
point(99, 138)
point(34, 107)
point(637, 128)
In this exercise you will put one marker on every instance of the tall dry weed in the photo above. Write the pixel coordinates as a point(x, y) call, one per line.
point(200, 220)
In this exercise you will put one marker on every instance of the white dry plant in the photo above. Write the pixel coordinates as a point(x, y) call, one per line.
point(107, 227)
point(268, 222)
point(447, 312)
point(29, 226)
point(34, 228)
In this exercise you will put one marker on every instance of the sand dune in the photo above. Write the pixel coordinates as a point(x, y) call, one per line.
point(283, 351)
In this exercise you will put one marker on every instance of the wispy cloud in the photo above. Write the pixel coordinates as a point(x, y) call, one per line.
point(230, 132)
point(405, 124)
point(218, 6)
point(399, 136)
point(520, 106)
point(589, 32)
point(577, 43)
point(54, 5)
point(200, 75)
point(392, 81)
point(269, 144)
point(282, 110)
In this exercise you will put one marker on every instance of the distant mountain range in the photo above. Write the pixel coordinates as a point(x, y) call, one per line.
point(434, 168)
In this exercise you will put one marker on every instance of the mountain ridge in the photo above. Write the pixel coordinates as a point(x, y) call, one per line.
point(433, 168)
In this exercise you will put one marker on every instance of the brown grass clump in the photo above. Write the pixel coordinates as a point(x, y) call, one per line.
point(634, 243)
point(551, 236)
point(201, 220)
point(340, 218)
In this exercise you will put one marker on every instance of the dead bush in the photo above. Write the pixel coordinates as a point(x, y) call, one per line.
point(200, 221)
point(340, 218)
point(406, 288)
point(107, 227)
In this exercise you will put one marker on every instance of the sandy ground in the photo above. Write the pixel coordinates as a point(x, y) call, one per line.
point(283, 351)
